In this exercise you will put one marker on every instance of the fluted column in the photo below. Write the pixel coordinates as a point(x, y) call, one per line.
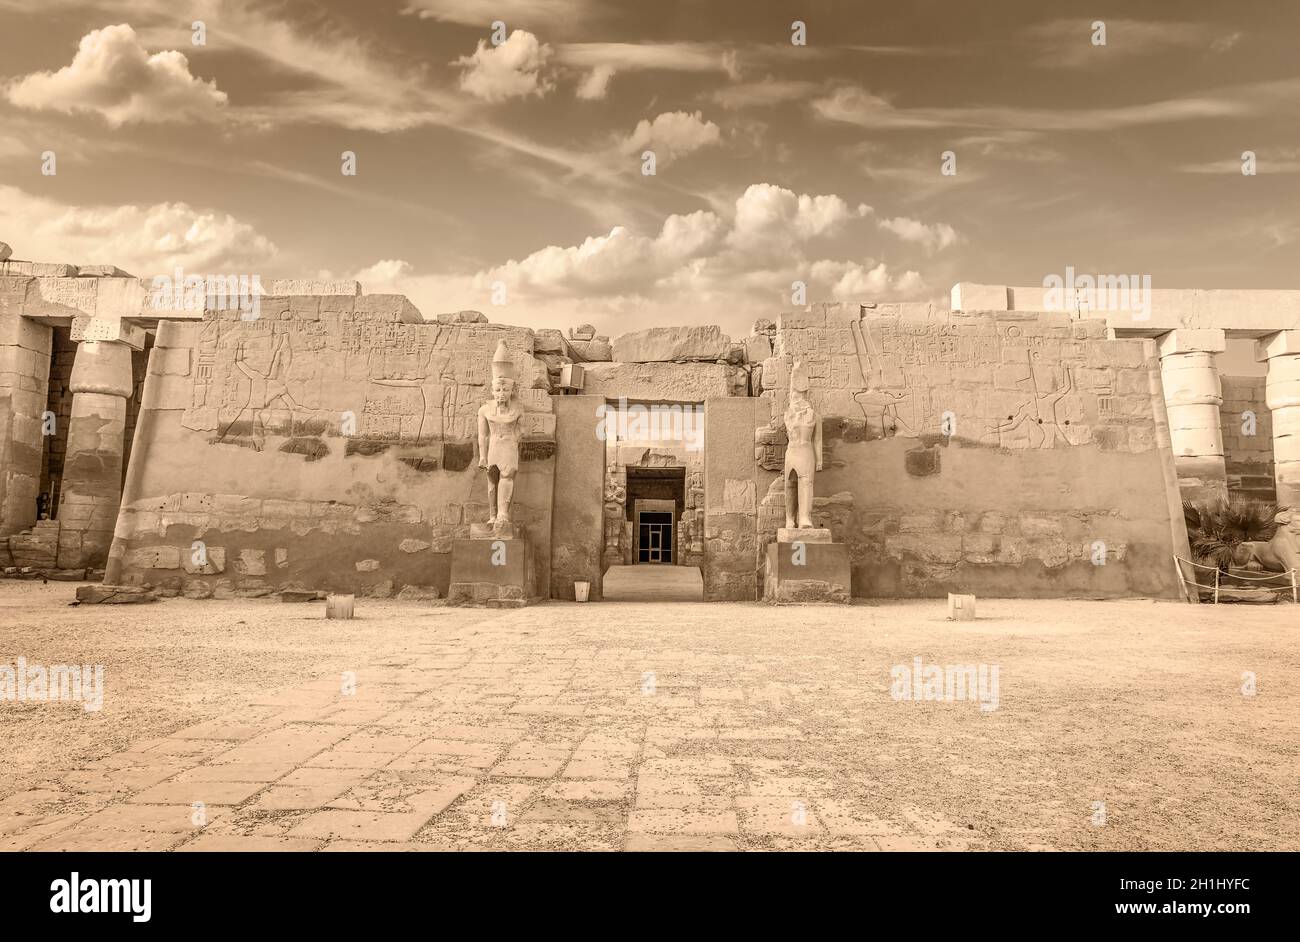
point(92, 469)
point(1282, 394)
point(1193, 396)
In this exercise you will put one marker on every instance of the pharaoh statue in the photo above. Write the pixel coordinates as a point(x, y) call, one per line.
point(803, 454)
point(498, 437)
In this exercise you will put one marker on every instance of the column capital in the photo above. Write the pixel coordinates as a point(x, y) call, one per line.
point(102, 366)
point(86, 327)
point(1282, 343)
point(1192, 340)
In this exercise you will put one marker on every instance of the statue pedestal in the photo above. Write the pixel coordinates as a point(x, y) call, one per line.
point(803, 535)
point(803, 565)
point(496, 571)
point(494, 531)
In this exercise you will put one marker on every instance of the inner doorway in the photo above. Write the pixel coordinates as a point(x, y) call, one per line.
point(655, 500)
point(654, 536)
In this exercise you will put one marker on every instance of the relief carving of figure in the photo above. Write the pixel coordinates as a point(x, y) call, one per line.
point(499, 431)
point(803, 454)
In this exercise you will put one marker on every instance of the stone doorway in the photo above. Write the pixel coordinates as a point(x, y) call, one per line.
point(654, 535)
point(654, 463)
point(656, 498)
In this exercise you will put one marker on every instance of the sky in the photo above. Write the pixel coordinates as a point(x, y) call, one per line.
point(502, 168)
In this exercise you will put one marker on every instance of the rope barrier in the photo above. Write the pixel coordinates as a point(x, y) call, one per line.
point(1218, 574)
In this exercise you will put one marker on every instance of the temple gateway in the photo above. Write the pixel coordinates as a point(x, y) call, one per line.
point(333, 440)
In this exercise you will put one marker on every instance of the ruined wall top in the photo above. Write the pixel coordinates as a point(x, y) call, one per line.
point(1133, 308)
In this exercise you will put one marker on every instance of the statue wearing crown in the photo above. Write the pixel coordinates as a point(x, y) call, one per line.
point(498, 437)
point(803, 454)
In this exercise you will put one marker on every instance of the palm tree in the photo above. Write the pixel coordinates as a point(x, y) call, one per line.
point(1215, 528)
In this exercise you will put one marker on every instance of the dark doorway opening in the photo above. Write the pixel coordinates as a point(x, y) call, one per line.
point(63, 351)
point(655, 500)
point(654, 537)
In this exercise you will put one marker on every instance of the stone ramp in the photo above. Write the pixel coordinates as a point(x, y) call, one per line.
point(653, 583)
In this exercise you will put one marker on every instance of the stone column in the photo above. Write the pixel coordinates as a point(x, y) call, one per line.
point(24, 390)
point(1282, 393)
point(1193, 395)
point(92, 471)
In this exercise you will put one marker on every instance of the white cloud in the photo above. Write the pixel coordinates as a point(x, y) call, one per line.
point(510, 70)
point(851, 281)
point(618, 261)
point(602, 61)
point(383, 277)
point(855, 105)
point(112, 74)
point(769, 91)
point(1067, 43)
point(689, 236)
point(483, 12)
point(934, 238)
point(1274, 160)
point(596, 85)
point(144, 240)
point(698, 267)
point(671, 135)
point(771, 220)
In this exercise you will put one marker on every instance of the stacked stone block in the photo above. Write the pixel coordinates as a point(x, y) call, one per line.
point(1247, 425)
point(919, 405)
point(328, 444)
point(25, 348)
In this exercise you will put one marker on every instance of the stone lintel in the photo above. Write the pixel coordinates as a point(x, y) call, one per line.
point(1192, 340)
point(1282, 343)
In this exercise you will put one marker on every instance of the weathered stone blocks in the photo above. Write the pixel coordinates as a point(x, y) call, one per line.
point(664, 382)
point(664, 344)
point(802, 571)
point(491, 569)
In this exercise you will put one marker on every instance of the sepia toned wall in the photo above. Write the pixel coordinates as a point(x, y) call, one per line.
point(25, 352)
point(1247, 424)
point(328, 444)
point(988, 453)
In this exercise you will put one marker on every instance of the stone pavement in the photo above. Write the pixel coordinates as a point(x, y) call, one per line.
point(653, 584)
point(673, 726)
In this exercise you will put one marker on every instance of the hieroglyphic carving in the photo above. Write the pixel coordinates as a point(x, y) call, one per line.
point(1009, 385)
point(408, 383)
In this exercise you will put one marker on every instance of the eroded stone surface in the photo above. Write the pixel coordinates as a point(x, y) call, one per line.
point(340, 428)
point(114, 594)
point(663, 344)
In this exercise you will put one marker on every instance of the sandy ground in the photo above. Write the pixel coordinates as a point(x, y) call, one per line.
point(645, 726)
point(168, 665)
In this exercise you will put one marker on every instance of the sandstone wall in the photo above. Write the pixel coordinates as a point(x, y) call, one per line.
point(997, 453)
point(1247, 444)
point(733, 484)
point(328, 444)
point(577, 523)
point(25, 348)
